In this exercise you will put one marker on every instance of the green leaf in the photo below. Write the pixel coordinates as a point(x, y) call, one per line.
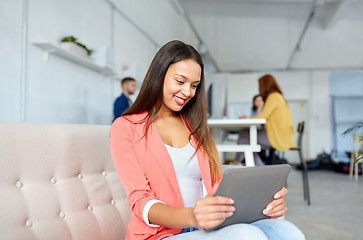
point(69, 39)
point(354, 128)
point(360, 139)
point(358, 158)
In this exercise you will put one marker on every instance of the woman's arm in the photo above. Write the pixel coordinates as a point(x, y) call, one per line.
point(208, 212)
point(171, 217)
point(128, 169)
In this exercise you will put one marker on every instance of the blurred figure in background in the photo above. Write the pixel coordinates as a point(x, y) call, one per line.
point(278, 132)
point(123, 102)
point(257, 105)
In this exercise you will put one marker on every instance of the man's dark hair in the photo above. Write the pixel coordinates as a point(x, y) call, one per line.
point(127, 79)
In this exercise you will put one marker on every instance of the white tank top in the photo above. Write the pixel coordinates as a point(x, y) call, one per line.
point(187, 173)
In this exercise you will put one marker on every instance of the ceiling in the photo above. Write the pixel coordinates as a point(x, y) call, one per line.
point(263, 35)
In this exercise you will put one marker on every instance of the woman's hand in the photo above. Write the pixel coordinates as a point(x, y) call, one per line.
point(277, 207)
point(212, 210)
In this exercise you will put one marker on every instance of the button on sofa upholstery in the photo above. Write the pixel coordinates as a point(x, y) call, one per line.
point(57, 181)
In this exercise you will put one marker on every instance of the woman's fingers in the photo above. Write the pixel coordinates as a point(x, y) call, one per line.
point(214, 211)
point(213, 205)
point(216, 200)
point(281, 193)
point(279, 213)
point(210, 211)
point(276, 207)
point(274, 204)
point(214, 216)
point(209, 220)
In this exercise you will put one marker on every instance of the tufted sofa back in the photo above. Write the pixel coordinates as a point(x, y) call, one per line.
point(57, 181)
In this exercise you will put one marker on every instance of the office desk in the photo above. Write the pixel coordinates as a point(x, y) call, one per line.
point(220, 127)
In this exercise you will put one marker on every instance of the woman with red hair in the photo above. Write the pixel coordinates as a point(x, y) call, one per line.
point(278, 132)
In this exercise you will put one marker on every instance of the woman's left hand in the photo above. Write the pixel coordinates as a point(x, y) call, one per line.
point(277, 207)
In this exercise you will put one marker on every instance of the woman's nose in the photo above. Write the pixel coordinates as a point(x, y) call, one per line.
point(186, 90)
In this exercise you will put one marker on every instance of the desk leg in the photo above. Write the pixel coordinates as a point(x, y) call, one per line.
point(218, 136)
point(221, 157)
point(253, 142)
point(253, 135)
point(250, 162)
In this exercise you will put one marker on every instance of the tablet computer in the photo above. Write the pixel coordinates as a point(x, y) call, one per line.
point(251, 188)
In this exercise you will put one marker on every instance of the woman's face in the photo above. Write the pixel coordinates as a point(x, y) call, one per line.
point(180, 84)
point(258, 102)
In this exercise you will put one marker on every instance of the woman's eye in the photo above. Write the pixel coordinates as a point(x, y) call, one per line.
point(194, 86)
point(180, 82)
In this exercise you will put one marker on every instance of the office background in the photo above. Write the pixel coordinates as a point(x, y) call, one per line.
point(240, 41)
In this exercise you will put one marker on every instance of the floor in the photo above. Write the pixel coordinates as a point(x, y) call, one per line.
point(336, 210)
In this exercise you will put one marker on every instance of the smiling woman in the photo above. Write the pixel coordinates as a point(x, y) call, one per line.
point(180, 84)
point(168, 163)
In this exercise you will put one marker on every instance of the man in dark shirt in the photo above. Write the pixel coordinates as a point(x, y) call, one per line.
point(123, 102)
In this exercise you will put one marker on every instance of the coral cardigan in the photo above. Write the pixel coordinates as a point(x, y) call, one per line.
point(146, 172)
point(279, 128)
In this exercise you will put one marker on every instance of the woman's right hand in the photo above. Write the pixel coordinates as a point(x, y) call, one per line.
point(212, 210)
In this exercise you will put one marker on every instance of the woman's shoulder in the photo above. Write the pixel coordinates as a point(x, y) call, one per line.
point(136, 118)
point(275, 96)
point(128, 125)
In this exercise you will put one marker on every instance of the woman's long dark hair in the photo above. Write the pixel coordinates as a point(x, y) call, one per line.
point(254, 107)
point(194, 113)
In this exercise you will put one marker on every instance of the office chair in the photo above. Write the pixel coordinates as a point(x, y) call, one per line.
point(304, 167)
point(272, 158)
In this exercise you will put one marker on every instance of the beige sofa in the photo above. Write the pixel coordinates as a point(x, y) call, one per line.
point(57, 181)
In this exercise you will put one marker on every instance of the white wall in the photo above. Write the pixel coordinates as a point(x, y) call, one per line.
point(61, 91)
point(10, 59)
point(320, 113)
point(346, 90)
point(219, 93)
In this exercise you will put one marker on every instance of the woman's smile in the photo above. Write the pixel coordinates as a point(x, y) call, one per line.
point(179, 100)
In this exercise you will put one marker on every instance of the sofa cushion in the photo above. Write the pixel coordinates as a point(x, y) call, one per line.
point(57, 181)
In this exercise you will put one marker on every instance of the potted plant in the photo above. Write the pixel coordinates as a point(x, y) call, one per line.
point(70, 43)
point(352, 130)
